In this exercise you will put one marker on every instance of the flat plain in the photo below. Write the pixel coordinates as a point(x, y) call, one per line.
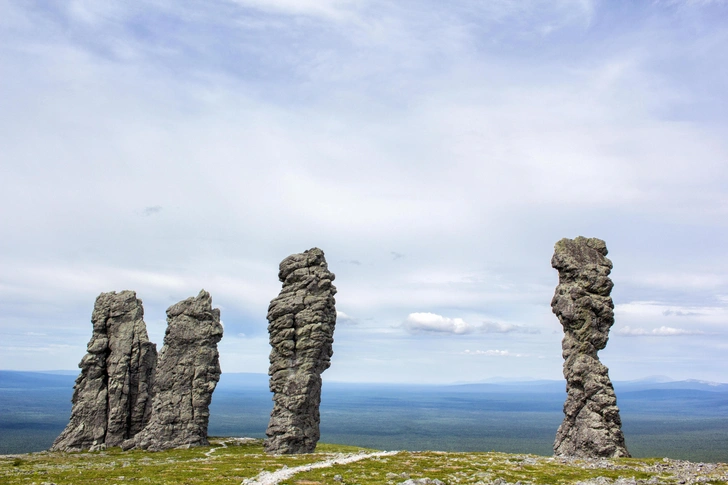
point(684, 420)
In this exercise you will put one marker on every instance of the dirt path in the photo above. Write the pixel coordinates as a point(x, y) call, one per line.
point(273, 478)
point(223, 444)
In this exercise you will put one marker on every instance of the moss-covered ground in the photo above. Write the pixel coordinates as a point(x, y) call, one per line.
point(230, 461)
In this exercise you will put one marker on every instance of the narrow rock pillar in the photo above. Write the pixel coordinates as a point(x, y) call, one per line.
point(592, 427)
point(301, 327)
point(112, 395)
point(187, 374)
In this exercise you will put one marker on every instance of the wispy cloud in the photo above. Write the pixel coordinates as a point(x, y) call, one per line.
point(657, 332)
point(332, 9)
point(692, 3)
point(150, 211)
point(499, 327)
point(493, 353)
point(698, 280)
point(680, 313)
point(641, 314)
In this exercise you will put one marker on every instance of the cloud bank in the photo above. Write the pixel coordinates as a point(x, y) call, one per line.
point(662, 331)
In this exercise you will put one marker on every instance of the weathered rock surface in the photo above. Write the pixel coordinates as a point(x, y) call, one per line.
point(112, 398)
point(187, 373)
point(301, 327)
point(592, 427)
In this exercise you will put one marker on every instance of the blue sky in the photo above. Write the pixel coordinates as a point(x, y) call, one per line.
point(435, 151)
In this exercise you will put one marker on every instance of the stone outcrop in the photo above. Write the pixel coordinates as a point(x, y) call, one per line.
point(592, 425)
point(187, 373)
point(111, 398)
point(301, 327)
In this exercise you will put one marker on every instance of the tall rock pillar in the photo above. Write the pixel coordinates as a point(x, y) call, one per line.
point(592, 427)
point(187, 374)
point(301, 327)
point(112, 395)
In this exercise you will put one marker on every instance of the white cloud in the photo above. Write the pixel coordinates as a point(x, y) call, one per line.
point(342, 317)
point(692, 3)
point(703, 280)
point(493, 353)
point(334, 9)
point(499, 327)
point(431, 322)
point(93, 12)
point(657, 332)
point(680, 313)
point(645, 313)
point(684, 329)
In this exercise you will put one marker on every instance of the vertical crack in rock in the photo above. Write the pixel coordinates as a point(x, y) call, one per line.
point(187, 373)
point(301, 327)
point(111, 397)
point(591, 426)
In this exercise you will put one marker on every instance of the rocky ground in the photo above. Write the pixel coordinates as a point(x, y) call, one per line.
point(243, 461)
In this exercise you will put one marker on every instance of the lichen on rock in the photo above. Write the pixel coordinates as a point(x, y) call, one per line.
point(301, 328)
point(112, 395)
point(592, 427)
point(187, 373)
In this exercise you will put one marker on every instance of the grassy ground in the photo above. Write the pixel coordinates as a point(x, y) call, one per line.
point(228, 461)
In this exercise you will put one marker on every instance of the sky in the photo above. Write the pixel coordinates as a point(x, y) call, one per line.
point(435, 151)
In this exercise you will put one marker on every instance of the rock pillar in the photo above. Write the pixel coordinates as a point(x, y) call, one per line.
point(301, 327)
point(592, 427)
point(112, 395)
point(187, 374)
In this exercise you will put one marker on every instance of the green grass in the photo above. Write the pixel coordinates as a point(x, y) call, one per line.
point(464, 468)
point(228, 461)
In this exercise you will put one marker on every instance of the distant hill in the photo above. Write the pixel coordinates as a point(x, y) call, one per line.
point(643, 385)
point(11, 379)
point(229, 381)
point(542, 386)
